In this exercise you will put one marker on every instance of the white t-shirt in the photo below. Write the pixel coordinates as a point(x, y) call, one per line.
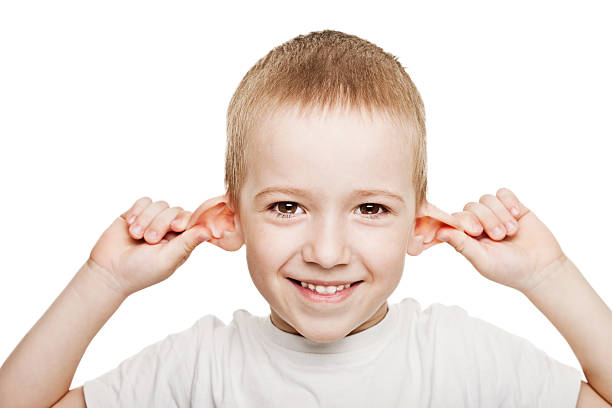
point(437, 357)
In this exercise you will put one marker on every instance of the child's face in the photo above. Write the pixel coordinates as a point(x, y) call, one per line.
point(332, 234)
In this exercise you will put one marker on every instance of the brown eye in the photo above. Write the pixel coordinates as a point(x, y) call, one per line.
point(369, 209)
point(284, 209)
point(289, 206)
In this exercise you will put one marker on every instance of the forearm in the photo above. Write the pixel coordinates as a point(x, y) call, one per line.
point(582, 317)
point(40, 369)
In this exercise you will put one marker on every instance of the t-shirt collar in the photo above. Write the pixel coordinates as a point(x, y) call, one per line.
point(370, 337)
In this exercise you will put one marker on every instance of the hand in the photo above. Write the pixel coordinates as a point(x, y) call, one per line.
point(130, 260)
point(518, 254)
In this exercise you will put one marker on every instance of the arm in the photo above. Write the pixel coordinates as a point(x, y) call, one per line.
point(588, 398)
point(122, 262)
point(584, 320)
point(525, 255)
point(74, 399)
point(45, 360)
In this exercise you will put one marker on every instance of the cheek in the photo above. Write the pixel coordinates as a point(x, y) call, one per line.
point(266, 251)
point(383, 252)
point(269, 245)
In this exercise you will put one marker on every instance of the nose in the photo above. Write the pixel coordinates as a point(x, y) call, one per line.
point(327, 244)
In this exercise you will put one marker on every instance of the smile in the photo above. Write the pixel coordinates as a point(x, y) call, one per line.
point(325, 293)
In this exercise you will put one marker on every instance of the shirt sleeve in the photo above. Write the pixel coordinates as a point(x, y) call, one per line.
point(506, 370)
point(162, 374)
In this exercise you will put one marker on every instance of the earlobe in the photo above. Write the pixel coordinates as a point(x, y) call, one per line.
point(217, 215)
point(429, 219)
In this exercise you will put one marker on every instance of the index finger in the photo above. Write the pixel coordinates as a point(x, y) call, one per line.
point(136, 209)
point(509, 200)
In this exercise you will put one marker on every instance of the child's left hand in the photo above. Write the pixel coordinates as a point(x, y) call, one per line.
point(516, 257)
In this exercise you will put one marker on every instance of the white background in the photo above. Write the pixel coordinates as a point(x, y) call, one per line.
point(105, 102)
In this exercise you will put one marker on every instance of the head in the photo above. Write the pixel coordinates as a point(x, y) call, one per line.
point(326, 180)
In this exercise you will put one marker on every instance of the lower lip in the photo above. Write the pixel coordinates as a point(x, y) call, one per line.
point(337, 297)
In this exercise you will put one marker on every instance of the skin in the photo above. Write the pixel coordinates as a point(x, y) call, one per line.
point(330, 237)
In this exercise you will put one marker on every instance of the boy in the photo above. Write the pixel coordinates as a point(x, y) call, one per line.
point(331, 131)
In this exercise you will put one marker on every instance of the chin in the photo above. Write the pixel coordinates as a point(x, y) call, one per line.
point(324, 335)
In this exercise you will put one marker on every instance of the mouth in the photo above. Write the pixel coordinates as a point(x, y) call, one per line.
point(325, 293)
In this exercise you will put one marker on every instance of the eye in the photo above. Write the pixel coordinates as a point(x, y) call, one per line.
point(372, 207)
point(283, 206)
point(288, 209)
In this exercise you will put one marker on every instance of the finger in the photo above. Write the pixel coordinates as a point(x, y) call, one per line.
point(469, 222)
point(170, 235)
point(136, 209)
point(160, 225)
point(464, 244)
point(180, 221)
point(178, 249)
point(501, 212)
point(509, 200)
point(142, 221)
point(492, 225)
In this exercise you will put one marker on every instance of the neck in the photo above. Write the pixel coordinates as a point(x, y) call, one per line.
point(376, 318)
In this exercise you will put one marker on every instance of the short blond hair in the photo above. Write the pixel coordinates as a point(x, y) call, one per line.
point(323, 69)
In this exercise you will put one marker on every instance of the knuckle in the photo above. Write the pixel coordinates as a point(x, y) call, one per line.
point(503, 191)
point(485, 198)
point(170, 213)
point(162, 203)
point(460, 247)
point(473, 217)
point(144, 200)
point(469, 205)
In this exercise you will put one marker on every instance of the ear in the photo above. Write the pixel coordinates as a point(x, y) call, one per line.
point(223, 222)
point(429, 219)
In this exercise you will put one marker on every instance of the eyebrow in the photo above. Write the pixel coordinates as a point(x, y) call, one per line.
point(304, 193)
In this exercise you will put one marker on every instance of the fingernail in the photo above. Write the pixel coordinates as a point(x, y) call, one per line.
point(498, 232)
point(514, 211)
point(510, 227)
point(131, 219)
point(214, 232)
point(136, 229)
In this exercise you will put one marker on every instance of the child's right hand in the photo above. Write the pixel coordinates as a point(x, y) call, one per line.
point(129, 259)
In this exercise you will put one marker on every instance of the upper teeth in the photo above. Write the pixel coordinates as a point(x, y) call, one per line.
point(330, 290)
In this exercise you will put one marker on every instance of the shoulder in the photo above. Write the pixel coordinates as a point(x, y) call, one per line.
point(494, 363)
point(450, 332)
point(211, 329)
point(445, 317)
point(436, 315)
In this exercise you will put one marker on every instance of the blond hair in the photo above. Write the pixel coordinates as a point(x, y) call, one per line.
point(323, 69)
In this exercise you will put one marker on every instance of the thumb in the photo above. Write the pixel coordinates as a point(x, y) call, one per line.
point(179, 248)
point(463, 243)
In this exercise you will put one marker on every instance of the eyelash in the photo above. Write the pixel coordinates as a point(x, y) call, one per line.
point(277, 214)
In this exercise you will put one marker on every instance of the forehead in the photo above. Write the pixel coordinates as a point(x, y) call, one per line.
point(329, 152)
